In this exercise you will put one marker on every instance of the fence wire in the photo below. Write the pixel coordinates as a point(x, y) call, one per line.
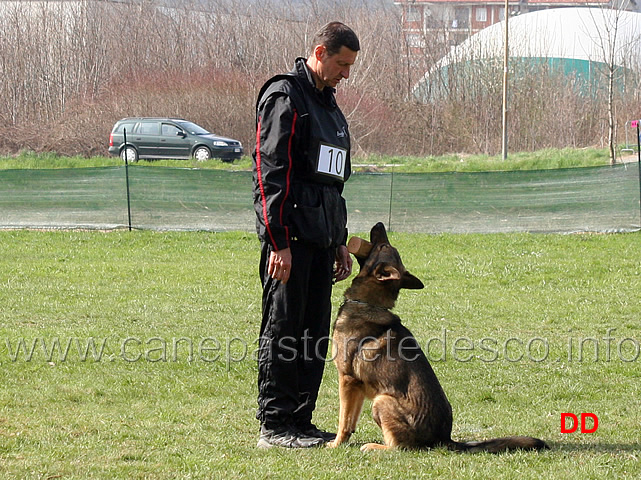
point(599, 199)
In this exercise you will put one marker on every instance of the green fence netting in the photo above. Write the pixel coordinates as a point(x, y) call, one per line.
point(596, 199)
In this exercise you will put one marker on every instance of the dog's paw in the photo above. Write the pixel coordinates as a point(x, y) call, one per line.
point(373, 446)
point(332, 444)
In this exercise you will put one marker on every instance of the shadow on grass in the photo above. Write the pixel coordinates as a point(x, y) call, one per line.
point(554, 447)
point(596, 447)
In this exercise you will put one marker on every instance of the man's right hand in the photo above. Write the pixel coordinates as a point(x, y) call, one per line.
point(280, 264)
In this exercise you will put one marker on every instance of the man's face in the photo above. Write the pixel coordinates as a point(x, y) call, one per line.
point(331, 69)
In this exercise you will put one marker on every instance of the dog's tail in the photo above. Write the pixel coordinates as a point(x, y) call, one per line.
point(498, 445)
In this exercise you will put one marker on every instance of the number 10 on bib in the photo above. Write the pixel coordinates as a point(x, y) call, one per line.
point(332, 160)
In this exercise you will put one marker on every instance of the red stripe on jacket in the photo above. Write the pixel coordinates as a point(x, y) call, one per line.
point(287, 182)
point(289, 171)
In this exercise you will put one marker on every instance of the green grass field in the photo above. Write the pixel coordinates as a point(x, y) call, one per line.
point(539, 160)
point(130, 355)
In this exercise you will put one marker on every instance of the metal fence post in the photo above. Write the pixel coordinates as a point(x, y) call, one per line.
point(124, 134)
point(639, 158)
point(391, 194)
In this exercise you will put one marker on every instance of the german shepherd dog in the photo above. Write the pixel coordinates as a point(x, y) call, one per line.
point(378, 358)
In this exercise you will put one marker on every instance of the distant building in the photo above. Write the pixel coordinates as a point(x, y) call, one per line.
point(569, 41)
point(450, 22)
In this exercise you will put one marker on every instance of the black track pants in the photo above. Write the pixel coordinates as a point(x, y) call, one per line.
point(294, 336)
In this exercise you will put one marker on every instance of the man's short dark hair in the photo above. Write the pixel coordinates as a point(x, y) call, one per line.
point(335, 35)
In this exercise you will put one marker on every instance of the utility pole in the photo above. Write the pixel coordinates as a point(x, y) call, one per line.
point(505, 65)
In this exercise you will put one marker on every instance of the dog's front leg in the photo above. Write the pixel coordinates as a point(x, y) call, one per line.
point(352, 395)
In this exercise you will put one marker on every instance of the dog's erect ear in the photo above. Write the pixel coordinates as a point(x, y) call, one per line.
point(378, 234)
point(411, 282)
point(384, 272)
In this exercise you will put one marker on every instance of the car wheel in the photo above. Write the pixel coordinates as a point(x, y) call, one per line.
point(202, 153)
point(129, 154)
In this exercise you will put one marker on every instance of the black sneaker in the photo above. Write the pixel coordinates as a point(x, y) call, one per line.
point(286, 437)
point(312, 431)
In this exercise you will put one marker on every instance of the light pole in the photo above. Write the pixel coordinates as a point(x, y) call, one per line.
point(505, 65)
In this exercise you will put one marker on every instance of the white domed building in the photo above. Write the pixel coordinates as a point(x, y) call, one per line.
point(574, 41)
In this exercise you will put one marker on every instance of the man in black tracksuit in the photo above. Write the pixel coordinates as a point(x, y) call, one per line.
point(301, 162)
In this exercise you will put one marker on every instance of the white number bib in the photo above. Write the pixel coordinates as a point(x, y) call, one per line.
point(331, 161)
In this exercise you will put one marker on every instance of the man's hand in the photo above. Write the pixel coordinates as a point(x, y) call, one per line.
point(280, 264)
point(343, 264)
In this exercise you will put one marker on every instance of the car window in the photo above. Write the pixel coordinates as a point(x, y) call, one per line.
point(169, 130)
point(148, 128)
point(128, 126)
point(193, 128)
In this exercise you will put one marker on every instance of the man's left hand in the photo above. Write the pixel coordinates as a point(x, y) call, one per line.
point(343, 264)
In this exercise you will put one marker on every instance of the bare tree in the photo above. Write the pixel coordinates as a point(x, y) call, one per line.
point(71, 69)
point(613, 48)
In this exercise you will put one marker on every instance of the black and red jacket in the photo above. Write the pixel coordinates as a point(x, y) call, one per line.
point(301, 161)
